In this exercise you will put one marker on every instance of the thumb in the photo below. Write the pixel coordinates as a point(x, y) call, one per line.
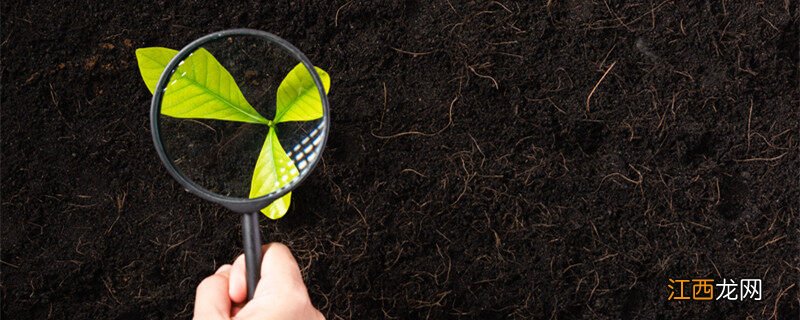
point(279, 272)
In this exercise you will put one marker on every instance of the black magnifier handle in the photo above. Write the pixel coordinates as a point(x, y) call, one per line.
point(251, 239)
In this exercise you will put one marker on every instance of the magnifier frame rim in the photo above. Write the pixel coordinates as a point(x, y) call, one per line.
point(240, 205)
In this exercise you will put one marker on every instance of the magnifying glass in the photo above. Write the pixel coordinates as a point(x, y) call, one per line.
point(240, 118)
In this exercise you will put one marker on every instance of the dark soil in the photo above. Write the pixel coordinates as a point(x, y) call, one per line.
point(473, 170)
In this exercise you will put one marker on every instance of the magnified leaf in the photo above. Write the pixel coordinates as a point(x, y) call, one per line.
point(274, 169)
point(298, 97)
point(200, 88)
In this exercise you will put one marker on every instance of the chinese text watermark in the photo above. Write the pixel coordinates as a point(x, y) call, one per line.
point(707, 289)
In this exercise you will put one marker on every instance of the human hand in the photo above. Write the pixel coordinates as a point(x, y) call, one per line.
point(280, 294)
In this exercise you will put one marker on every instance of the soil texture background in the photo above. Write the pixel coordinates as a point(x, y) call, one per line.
point(488, 159)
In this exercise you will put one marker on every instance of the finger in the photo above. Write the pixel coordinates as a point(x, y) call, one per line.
point(279, 271)
point(212, 300)
point(237, 287)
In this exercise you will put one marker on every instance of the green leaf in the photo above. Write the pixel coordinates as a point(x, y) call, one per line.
point(152, 62)
point(200, 88)
point(298, 97)
point(274, 169)
point(278, 209)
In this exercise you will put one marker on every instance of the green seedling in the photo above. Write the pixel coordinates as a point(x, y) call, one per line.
point(206, 90)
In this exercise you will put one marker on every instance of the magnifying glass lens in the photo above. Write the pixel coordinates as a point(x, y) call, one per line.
point(241, 117)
